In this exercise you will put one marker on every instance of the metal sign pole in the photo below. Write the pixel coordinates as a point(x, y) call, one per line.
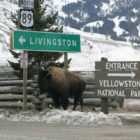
point(24, 106)
point(25, 85)
point(25, 20)
point(66, 61)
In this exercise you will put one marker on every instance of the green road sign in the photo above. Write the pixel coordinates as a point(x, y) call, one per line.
point(44, 41)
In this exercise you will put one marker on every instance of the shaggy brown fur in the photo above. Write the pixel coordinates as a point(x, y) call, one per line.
point(60, 85)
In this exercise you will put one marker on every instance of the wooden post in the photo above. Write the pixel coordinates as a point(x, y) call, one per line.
point(104, 101)
point(66, 61)
point(104, 105)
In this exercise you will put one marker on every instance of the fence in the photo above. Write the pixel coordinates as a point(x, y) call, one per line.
point(6, 72)
point(11, 93)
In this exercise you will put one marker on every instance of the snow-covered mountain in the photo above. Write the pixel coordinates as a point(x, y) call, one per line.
point(118, 19)
point(6, 10)
point(94, 46)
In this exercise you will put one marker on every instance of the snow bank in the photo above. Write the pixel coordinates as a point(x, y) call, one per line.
point(132, 105)
point(68, 117)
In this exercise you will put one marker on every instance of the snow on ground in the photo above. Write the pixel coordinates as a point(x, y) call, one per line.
point(119, 31)
point(6, 9)
point(132, 105)
point(95, 46)
point(96, 24)
point(68, 117)
point(60, 3)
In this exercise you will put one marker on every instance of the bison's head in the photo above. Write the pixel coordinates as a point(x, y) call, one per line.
point(44, 80)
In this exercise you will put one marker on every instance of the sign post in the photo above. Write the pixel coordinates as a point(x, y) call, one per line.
point(26, 21)
point(104, 101)
point(66, 61)
point(25, 83)
point(38, 41)
point(24, 66)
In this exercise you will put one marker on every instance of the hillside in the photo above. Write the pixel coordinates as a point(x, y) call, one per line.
point(94, 46)
point(6, 10)
point(118, 19)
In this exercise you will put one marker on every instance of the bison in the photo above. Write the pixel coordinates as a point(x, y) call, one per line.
point(61, 85)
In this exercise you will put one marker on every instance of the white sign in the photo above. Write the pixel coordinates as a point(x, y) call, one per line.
point(121, 66)
point(129, 74)
point(111, 93)
point(24, 60)
point(27, 3)
point(26, 18)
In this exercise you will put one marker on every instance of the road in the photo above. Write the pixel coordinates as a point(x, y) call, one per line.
point(41, 131)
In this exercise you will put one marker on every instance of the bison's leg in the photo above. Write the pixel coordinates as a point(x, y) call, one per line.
point(64, 102)
point(81, 103)
point(75, 103)
point(56, 102)
point(76, 99)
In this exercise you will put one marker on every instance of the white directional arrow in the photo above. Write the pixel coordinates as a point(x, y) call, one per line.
point(132, 74)
point(22, 40)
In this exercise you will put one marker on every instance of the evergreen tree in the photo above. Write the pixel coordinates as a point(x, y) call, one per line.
point(37, 60)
